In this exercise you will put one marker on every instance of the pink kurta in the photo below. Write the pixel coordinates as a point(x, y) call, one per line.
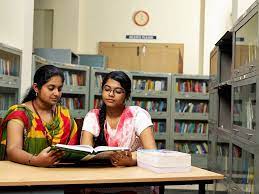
point(132, 122)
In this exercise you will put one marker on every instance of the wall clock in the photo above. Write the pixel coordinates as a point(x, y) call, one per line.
point(141, 18)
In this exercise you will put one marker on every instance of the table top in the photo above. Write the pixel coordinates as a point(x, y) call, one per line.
point(13, 174)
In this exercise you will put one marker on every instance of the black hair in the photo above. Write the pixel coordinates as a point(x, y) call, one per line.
point(125, 83)
point(41, 77)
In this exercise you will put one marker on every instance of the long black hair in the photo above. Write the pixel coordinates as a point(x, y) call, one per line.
point(41, 77)
point(125, 83)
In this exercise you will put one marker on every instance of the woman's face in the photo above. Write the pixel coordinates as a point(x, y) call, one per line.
point(113, 94)
point(50, 93)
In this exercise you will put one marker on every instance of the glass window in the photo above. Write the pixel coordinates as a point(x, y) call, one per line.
point(246, 42)
point(244, 111)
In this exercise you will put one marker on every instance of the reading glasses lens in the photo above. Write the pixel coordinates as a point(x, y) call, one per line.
point(114, 91)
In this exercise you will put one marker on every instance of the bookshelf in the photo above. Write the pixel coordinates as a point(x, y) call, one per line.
point(75, 92)
point(237, 134)
point(10, 78)
point(189, 117)
point(93, 60)
point(245, 138)
point(151, 91)
point(58, 55)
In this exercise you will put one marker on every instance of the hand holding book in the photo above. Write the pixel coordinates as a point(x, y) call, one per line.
point(122, 158)
point(76, 153)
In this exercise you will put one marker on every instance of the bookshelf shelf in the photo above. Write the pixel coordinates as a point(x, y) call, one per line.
point(75, 91)
point(10, 66)
point(191, 137)
point(190, 101)
point(191, 116)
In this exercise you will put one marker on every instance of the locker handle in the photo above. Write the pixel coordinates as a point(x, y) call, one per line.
point(249, 135)
point(138, 51)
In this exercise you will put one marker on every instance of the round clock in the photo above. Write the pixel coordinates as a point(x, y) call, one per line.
point(141, 18)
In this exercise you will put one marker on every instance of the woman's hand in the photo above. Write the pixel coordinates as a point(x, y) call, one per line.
point(47, 158)
point(123, 158)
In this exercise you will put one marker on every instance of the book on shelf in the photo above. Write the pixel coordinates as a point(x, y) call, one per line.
point(164, 161)
point(77, 153)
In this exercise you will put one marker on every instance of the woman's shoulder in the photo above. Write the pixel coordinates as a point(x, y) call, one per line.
point(18, 111)
point(18, 107)
point(93, 112)
point(135, 109)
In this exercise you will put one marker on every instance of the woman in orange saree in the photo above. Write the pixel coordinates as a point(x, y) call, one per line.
point(29, 129)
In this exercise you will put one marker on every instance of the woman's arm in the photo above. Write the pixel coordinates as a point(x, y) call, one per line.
point(87, 138)
point(15, 150)
point(147, 139)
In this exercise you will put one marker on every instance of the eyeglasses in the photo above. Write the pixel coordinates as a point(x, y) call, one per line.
point(108, 89)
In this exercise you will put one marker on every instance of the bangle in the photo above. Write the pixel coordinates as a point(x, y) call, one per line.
point(30, 159)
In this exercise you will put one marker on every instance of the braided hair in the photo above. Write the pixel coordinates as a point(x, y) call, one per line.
point(125, 82)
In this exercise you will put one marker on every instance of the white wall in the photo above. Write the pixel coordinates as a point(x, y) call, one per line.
point(242, 6)
point(172, 21)
point(16, 21)
point(65, 24)
point(12, 22)
point(218, 20)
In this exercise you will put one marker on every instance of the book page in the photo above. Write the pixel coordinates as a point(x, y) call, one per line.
point(109, 148)
point(86, 148)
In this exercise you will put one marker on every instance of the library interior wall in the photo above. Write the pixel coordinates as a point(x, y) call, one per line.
point(65, 22)
point(217, 21)
point(172, 21)
point(16, 21)
point(73, 30)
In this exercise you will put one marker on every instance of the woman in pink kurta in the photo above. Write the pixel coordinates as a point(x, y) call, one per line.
point(116, 124)
point(133, 121)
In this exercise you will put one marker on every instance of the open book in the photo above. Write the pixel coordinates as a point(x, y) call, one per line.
point(76, 153)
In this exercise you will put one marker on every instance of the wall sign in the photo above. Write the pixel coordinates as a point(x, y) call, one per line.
point(149, 37)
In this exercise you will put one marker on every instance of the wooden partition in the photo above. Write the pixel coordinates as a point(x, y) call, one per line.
point(152, 57)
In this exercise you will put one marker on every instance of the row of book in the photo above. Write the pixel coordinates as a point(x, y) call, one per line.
point(99, 80)
point(151, 105)
point(149, 85)
point(72, 103)
point(159, 126)
point(74, 79)
point(6, 101)
point(222, 150)
point(248, 178)
point(192, 148)
point(191, 107)
point(160, 144)
point(191, 127)
point(198, 86)
point(8, 67)
point(236, 151)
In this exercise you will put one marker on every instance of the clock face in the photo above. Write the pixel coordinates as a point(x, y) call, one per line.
point(141, 18)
